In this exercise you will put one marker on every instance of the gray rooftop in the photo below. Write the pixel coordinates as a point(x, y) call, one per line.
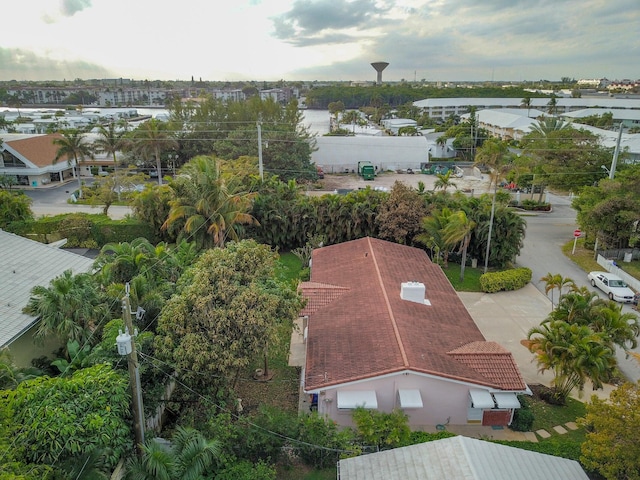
point(461, 458)
point(25, 264)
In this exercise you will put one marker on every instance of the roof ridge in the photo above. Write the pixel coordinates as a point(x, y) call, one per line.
point(396, 331)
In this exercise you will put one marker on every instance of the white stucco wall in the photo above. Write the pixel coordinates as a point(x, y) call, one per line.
point(337, 154)
point(441, 399)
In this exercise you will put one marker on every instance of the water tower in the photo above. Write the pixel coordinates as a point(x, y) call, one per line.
point(379, 66)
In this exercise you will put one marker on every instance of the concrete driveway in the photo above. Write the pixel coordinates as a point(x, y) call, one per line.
point(506, 317)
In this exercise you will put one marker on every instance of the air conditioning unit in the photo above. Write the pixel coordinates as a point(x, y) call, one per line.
point(414, 292)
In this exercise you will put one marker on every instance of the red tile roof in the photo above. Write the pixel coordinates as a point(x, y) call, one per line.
point(368, 330)
point(39, 150)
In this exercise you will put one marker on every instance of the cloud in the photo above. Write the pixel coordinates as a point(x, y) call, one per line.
point(308, 19)
point(20, 64)
point(71, 7)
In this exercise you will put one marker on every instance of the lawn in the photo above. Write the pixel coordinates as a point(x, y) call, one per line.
point(471, 278)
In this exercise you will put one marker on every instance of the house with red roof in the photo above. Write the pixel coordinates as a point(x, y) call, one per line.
point(29, 158)
point(384, 329)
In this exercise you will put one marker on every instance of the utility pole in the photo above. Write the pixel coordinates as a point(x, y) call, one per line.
point(616, 152)
point(260, 168)
point(129, 349)
point(493, 212)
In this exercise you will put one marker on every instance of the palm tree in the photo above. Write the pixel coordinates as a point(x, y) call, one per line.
point(552, 106)
point(190, 457)
point(433, 235)
point(546, 125)
point(209, 208)
point(458, 230)
point(574, 353)
point(72, 146)
point(111, 140)
point(495, 154)
point(526, 103)
point(444, 181)
point(555, 281)
point(69, 307)
point(150, 139)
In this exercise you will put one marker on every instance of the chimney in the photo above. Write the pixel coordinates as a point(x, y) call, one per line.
point(414, 292)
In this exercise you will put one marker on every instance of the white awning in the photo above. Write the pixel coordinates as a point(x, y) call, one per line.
point(506, 400)
point(481, 399)
point(410, 398)
point(357, 398)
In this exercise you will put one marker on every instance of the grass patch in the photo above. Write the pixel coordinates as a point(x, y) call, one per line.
point(289, 267)
point(548, 416)
point(302, 472)
point(583, 257)
point(471, 278)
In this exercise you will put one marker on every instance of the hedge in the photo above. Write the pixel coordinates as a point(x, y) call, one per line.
point(83, 230)
point(513, 279)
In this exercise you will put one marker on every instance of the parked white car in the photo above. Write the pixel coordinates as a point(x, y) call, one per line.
point(615, 288)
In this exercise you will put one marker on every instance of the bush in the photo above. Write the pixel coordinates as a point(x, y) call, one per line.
point(513, 279)
point(522, 420)
point(316, 430)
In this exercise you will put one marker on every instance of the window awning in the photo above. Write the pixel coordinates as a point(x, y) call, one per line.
point(506, 400)
point(481, 399)
point(357, 398)
point(410, 398)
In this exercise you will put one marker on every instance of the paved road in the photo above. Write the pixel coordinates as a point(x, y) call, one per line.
point(54, 201)
point(542, 253)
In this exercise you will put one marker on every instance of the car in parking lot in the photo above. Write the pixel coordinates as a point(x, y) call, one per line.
point(615, 288)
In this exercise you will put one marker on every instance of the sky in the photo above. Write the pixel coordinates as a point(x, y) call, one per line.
point(306, 40)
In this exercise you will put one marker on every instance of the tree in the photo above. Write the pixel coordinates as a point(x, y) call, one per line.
point(151, 206)
point(190, 457)
point(72, 146)
point(14, 208)
point(209, 207)
point(399, 216)
point(57, 419)
point(552, 106)
point(458, 231)
point(444, 181)
point(611, 447)
point(151, 139)
point(226, 315)
point(433, 233)
point(553, 281)
point(121, 184)
point(69, 307)
point(526, 103)
point(111, 140)
point(574, 353)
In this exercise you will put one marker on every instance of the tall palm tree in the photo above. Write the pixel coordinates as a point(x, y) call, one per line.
point(553, 281)
point(190, 457)
point(150, 139)
point(111, 140)
point(526, 103)
point(69, 307)
point(552, 106)
point(209, 207)
point(72, 146)
point(433, 227)
point(458, 231)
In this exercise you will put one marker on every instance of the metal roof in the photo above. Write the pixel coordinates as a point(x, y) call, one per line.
point(461, 458)
point(25, 264)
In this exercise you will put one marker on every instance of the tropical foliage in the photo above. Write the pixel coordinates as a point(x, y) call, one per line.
point(55, 419)
point(577, 341)
point(612, 447)
point(208, 207)
point(226, 316)
point(73, 147)
point(14, 207)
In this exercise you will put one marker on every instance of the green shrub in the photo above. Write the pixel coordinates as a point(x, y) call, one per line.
point(317, 430)
point(513, 279)
point(522, 420)
point(384, 430)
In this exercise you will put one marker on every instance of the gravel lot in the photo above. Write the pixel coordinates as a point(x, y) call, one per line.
point(332, 182)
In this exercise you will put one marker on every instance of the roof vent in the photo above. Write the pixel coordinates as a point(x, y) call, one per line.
point(414, 292)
